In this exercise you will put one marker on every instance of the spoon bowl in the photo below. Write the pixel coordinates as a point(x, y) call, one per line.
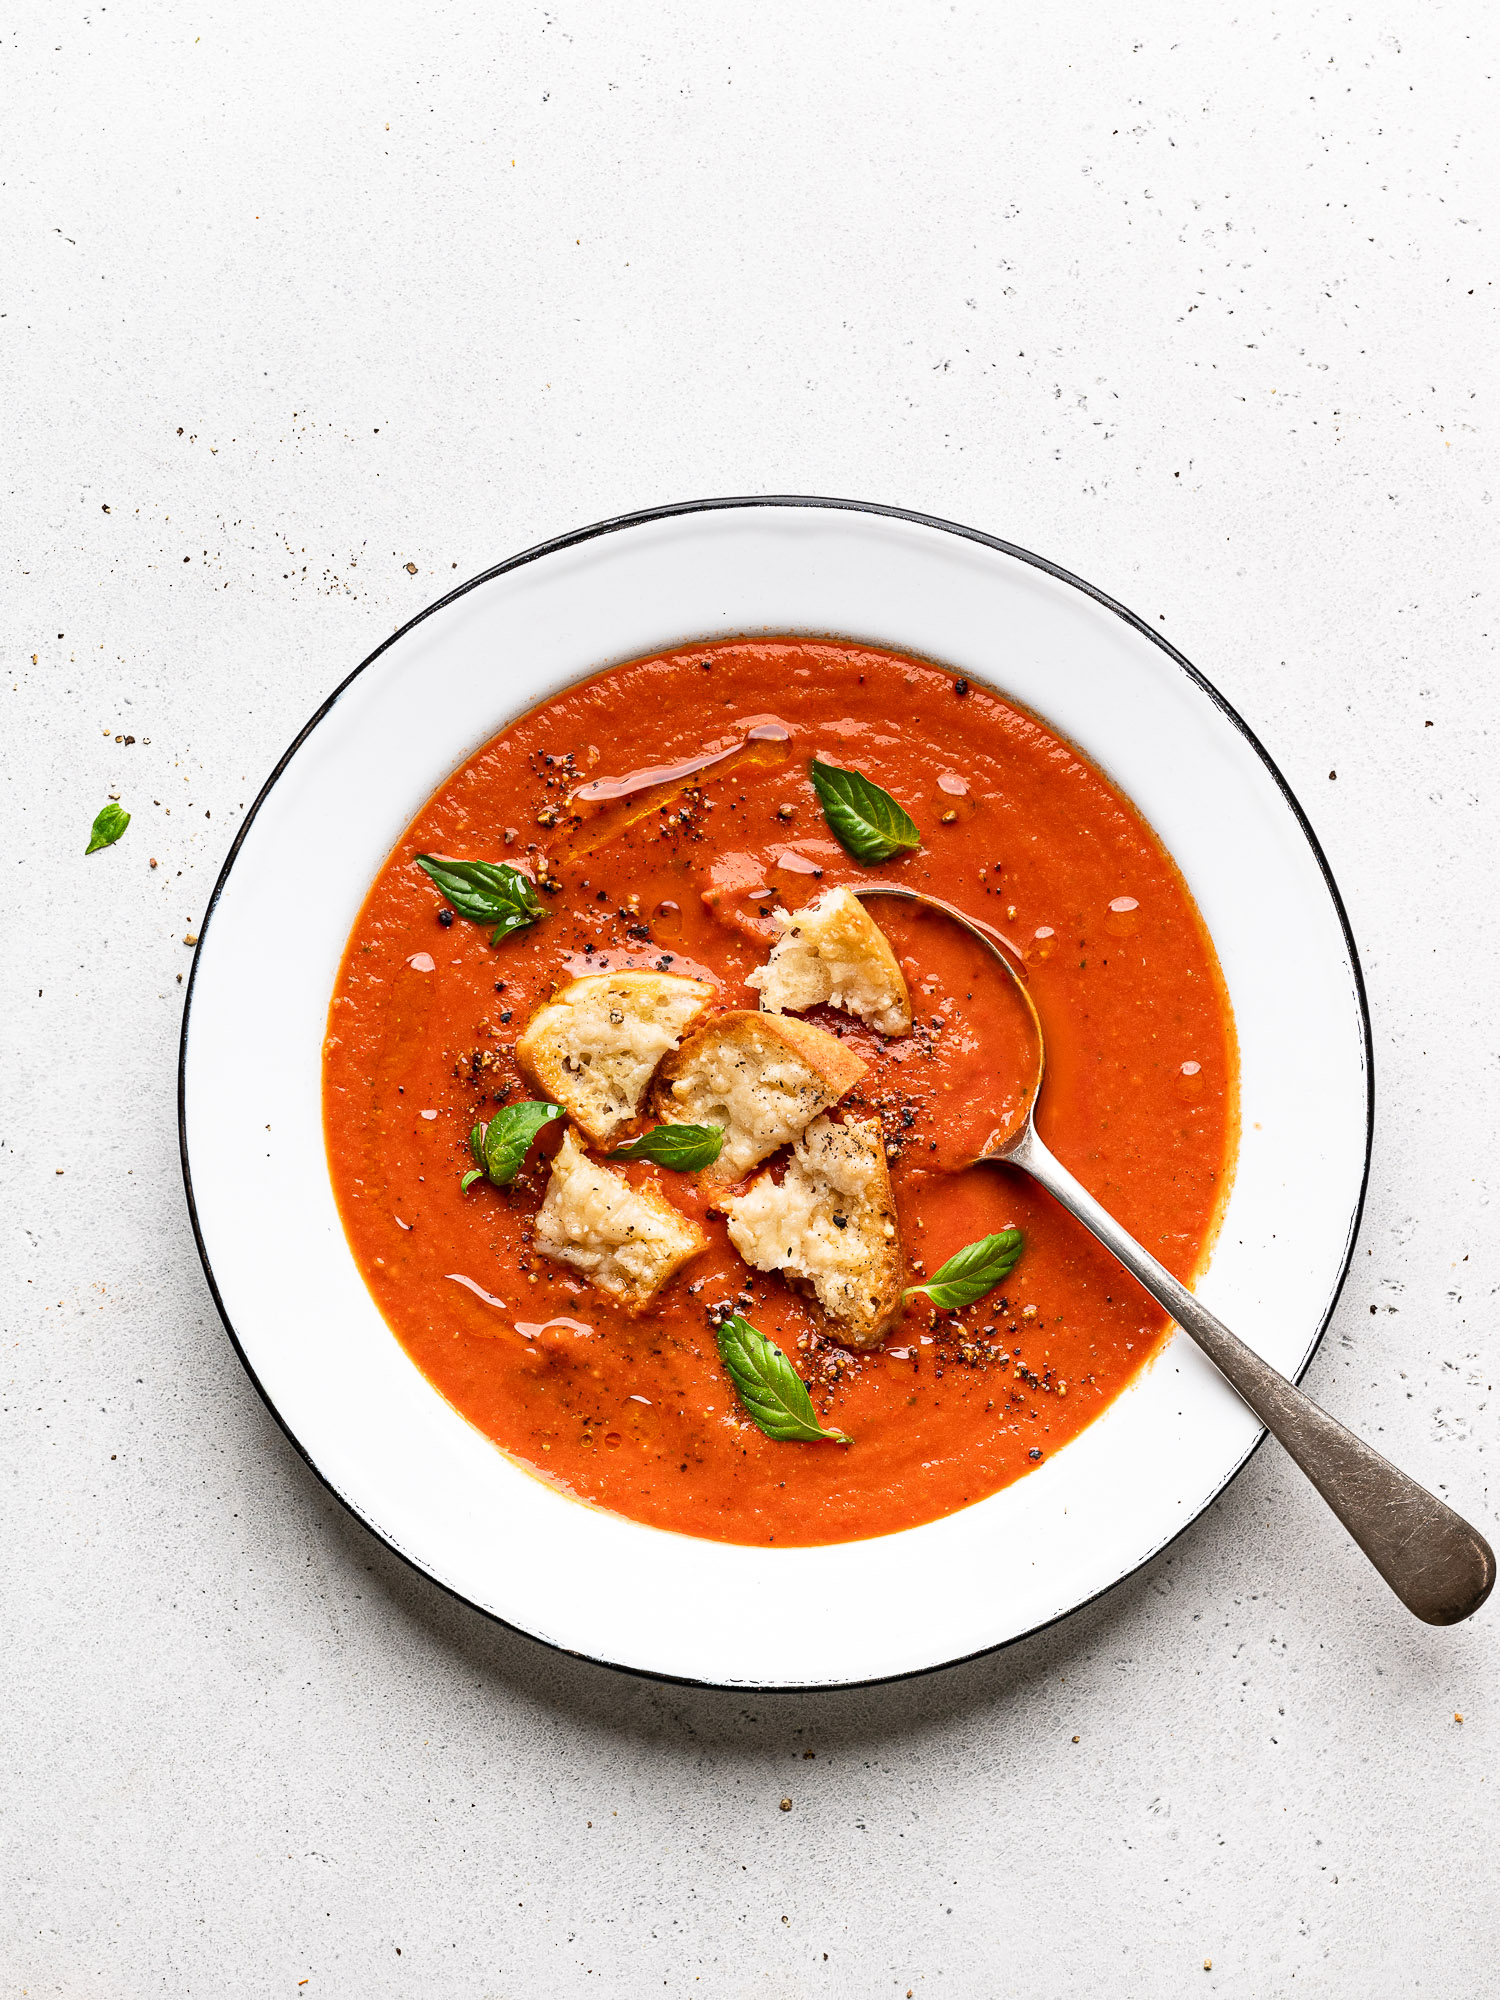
point(1019, 1109)
point(1440, 1566)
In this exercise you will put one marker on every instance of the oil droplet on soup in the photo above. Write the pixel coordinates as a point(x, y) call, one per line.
point(1189, 1082)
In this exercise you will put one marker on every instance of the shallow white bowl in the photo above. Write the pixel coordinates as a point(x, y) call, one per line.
point(308, 1331)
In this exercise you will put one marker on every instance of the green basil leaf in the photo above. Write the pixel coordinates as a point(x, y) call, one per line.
point(476, 1146)
point(684, 1148)
point(110, 822)
point(773, 1393)
point(508, 1137)
point(474, 1174)
point(487, 892)
point(973, 1271)
point(867, 821)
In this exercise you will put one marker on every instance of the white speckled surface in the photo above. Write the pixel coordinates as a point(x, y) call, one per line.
point(1198, 307)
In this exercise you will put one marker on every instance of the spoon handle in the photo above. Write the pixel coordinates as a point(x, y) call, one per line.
point(1441, 1568)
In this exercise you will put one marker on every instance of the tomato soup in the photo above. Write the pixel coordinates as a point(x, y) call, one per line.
point(664, 808)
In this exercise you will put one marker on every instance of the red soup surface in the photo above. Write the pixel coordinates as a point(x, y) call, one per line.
point(678, 870)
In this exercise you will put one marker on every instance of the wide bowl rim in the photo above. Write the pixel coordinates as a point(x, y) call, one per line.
point(812, 502)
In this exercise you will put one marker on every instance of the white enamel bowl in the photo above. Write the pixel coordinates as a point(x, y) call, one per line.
point(388, 1444)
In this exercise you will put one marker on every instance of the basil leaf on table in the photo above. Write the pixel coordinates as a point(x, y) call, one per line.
point(685, 1148)
point(773, 1393)
point(109, 823)
point(487, 892)
point(867, 821)
point(500, 1147)
point(973, 1271)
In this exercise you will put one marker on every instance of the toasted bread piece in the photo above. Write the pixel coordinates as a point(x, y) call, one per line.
point(627, 1241)
point(831, 1223)
point(834, 953)
point(761, 1078)
point(594, 1045)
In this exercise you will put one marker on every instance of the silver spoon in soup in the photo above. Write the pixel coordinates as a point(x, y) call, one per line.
point(1438, 1565)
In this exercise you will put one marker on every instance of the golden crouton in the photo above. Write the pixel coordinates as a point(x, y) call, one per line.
point(833, 953)
point(627, 1241)
point(832, 1225)
point(761, 1078)
point(593, 1047)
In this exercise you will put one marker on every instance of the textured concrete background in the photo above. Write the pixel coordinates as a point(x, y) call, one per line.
point(294, 298)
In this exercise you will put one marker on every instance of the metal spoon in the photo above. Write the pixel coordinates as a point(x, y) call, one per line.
point(1441, 1568)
